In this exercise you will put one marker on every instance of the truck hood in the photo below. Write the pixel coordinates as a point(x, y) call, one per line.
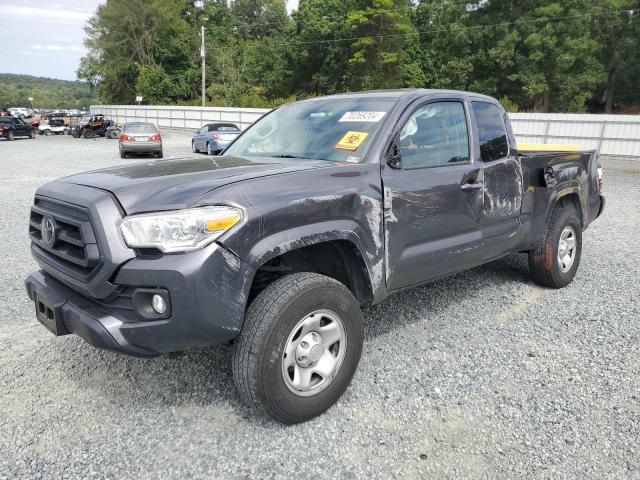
point(180, 183)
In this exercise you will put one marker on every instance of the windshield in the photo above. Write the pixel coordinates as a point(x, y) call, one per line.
point(338, 129)
point(140, 128)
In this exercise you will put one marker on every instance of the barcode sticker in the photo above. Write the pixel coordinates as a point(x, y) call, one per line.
point(362, 117)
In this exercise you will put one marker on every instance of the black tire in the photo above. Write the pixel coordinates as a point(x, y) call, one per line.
point(194, 149)
point(48, 132)
point(269, 323)
point(87, 134)
point(159, 155)
point(11, 136)
point(545, 266)
point(209, 151)
point(123, 154)
point(32, 134)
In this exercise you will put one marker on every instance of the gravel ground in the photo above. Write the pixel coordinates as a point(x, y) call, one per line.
point(483, 374)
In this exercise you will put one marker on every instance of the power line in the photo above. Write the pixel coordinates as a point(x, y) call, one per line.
point(450, 29)
point(438, 30)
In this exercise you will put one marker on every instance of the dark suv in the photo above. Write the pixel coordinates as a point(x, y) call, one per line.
point(12, 127)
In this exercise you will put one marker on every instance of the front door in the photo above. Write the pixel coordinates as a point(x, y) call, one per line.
point(433, 200)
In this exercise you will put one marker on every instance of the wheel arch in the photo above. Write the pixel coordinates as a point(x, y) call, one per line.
point(337, 258)
point(569, 197)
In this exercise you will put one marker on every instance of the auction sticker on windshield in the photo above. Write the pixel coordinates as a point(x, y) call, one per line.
point(351, 141)
point(362, 117)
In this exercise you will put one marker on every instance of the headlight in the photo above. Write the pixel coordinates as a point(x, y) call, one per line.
point(180, 230)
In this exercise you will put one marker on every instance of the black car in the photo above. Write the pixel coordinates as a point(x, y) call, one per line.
point(12, 127)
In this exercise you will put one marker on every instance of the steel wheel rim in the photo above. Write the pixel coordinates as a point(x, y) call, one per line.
point(314, 353)
point(193, 147)
point(567, 246)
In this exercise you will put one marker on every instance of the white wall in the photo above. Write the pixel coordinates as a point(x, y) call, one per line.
point(179, 117)
point(610, 134)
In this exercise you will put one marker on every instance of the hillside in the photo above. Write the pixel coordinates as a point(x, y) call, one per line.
point(15, 91)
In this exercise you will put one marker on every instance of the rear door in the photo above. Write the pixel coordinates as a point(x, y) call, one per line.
point(21, 127)
point(502, 180)
point(433, 201)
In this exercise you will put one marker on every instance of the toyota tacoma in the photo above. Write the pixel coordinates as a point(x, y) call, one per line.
point(320, 208)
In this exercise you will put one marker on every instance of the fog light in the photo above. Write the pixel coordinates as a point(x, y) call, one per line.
point(158, 304)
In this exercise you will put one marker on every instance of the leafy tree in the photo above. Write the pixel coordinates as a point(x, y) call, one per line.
point(15, 91)
point(617, 37)
point(125, 34)
point(379, 29)
point(154, 85)
point(545, 55)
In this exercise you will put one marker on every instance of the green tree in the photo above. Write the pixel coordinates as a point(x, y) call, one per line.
point(126, 34)
point(379, 29)
point(616, 29)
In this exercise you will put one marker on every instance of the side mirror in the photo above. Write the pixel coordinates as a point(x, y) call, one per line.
point(394, 156)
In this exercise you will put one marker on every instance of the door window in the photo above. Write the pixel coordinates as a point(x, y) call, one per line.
point(491, 131)
point(435, 135)
point(204, 129)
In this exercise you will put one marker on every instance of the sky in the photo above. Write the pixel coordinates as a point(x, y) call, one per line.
point(45, 38)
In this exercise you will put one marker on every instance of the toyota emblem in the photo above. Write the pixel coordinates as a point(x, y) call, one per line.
point(48, 231)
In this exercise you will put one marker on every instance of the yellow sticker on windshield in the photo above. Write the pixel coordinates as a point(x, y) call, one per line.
point(351, 141)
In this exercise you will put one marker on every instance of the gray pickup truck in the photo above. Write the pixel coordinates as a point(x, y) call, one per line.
point(320, 208)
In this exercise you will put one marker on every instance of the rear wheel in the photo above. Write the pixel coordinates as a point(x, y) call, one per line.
point(159, 155)
point(47, 132)
point(555, 262)
point(11, 136)
point(123, 154)
point(87, 134)
point(209, 150)
point(299, 348)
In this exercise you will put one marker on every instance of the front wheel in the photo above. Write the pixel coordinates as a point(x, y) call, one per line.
point(299, 347)
point(32, 134)
point(11, 136)
point(87, 134)
point(555, 262)
point(194, 149)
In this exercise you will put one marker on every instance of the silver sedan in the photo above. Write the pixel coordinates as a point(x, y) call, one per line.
point(140, 138)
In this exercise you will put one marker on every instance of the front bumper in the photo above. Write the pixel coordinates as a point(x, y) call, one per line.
point(207, 288)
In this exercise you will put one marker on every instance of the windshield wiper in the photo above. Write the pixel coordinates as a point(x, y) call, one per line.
point(286, 155)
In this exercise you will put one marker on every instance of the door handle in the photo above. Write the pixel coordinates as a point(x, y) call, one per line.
point(470, 187)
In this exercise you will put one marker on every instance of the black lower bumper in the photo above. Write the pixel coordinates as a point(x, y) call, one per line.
point(63, 312)
point(207, 290)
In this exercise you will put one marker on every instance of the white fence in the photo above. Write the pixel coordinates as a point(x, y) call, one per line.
point(610, 134)
point(190, 118)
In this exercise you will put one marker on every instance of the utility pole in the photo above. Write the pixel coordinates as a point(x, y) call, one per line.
point(202, 57)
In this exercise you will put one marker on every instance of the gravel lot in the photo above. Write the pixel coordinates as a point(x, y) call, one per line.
point(483, 374)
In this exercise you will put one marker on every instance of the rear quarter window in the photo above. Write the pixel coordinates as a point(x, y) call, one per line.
point(491, 131)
